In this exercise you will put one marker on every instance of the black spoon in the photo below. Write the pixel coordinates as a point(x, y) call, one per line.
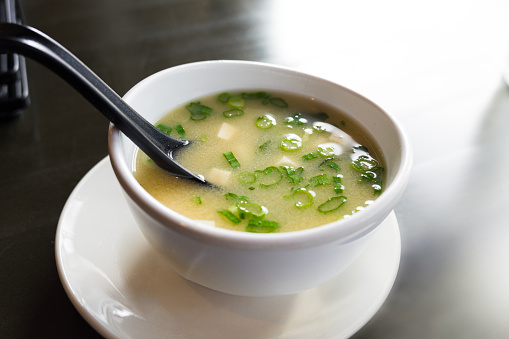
point(25, 40)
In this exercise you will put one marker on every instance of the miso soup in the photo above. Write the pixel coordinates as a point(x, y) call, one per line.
point(280, 163)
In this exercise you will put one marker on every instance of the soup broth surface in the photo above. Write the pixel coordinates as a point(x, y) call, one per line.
point(279, 164)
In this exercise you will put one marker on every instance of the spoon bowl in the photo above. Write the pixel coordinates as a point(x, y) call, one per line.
point(160, 147)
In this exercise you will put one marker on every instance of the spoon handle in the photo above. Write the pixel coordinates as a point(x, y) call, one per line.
point(25, 40)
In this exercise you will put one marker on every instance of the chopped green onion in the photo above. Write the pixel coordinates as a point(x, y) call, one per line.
point(279, 102)
point(294, 176)
point(331, 164)
point(163, 128)
point(234, 163)
point(304, 197)
point(270, 176)
point(203, 138)
point(234, 112)
point(320, 180)
point(332, 204)
point(291, 143)
point(247, 177)
point(196, 199)
point(296, 120)
point(198, 111)
point(265, 121)
point(235, 197)
point(261, 226)
point(180, 130)
point(247, 209)
point(224, 97)
point(364, 163)
point(236, 102)
point(265, 145)
point(309, 156)
point(256, 95)
point(232, 217)
point(338, 186)
point(326, 151)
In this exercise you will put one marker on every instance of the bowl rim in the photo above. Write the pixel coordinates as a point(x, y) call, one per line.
point(341, 231)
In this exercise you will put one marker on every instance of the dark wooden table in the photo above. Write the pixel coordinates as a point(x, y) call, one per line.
point(435, 65)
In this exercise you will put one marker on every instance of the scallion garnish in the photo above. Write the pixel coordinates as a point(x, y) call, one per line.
point(234, 163)
point(331, 164)
point(247, 177)
point(294, 176)
point(196, 199)
point(265, 145)
point(180, 130)
point(232, 217)
point(250, 210)
point(320, 180)
point(198, 111)
point(291, 143)
point(236, 102)
point(261, 226)
point(234, 112)
point(332, 204)
point(302, 197)
point(279, 102)
point(269, 177)
point(265, 121)
point(235, 197)
point(255, 95)
point(364, 163)
point(338, 186)
point(224, 97)
point(326, 151)
point(296, 120)
point(309, 156)
point(163, 128)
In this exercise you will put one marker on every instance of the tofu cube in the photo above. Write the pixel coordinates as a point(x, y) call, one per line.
point(226, 131)
point(218, 176)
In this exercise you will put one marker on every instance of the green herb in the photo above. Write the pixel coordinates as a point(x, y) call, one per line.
point(331, 164)
point(291, 143)
point(247, 177)
point(320, 180)
point(332, 204)
point(163, 128)
point(302, 197)
point(270, 176)
point(326, 151)
point(198, 111)
point(294, 176)
point(256, 95)
point(236, 102)
point(265, 145)
point(265, 121)
point(235, 197)
point(224, 97)
point(180, 130)
point(279, 102)
point(196, 199)
point(296, 120)
point(261, 226)
point(203, 138)
point(338, 186)
point(232, 217)
point(234, 163)
point(309, 156)
point(364, 163)
point(234, 112)
point(250, 210)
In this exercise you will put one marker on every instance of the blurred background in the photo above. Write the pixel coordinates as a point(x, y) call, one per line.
point(436, 65)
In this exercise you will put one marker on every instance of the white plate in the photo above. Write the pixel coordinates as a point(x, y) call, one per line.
point(124, 289)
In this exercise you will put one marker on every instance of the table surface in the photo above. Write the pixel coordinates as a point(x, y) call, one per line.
point(435, 65)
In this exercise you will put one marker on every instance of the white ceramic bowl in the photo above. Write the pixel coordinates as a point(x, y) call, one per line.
point(243, 263)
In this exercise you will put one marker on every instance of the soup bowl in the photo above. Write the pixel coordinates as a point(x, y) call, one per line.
point(250, 264)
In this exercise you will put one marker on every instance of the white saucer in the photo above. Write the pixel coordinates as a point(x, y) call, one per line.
point(124, 289)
